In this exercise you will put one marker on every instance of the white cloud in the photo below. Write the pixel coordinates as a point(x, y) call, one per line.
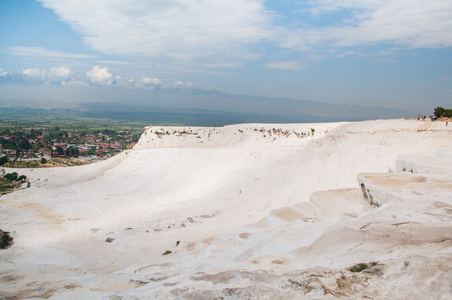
point(412, 24)
point(415, 23)
point(173, 28)
point(65, 77)
point(60, 72)
point(348, 53)
point(114, 62)
point(46, 53)
point(225, 30)
point(183, 84)
point(151, 81)
point(145, 82)
point(99, 75)
point(284, 65)
point(55, 75)
point(34, 72)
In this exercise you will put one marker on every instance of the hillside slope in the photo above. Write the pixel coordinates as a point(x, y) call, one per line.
point(246, 211)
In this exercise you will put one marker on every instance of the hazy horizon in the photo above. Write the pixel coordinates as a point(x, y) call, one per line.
point(394, 54)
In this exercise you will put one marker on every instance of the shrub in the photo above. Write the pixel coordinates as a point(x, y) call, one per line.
point(43, 160)
point(5, 239)
point(11, 176)
point(358, 268)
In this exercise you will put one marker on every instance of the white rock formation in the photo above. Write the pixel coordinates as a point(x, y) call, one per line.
point(251, 211)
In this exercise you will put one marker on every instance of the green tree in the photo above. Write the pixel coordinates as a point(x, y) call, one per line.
point(59, 150)
point(448, 113)
point(24, 144)
point(439, 111)
point(3, 160)
point(72, 151)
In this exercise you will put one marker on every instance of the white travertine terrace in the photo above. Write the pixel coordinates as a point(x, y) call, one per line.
point(250, 211)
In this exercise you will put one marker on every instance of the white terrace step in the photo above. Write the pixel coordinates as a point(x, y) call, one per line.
point(339, 202)
point(440, 164)
point(380, 188)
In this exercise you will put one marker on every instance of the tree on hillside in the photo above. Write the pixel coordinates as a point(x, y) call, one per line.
point(441, 112)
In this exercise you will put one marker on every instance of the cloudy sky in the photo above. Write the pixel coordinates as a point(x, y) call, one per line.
point(391, 53)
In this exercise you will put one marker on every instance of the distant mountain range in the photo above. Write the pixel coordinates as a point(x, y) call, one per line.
point(192, 103)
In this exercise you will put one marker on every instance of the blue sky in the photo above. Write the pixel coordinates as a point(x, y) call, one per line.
point(393, 53)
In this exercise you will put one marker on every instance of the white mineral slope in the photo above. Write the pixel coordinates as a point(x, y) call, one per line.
point(230, 210)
